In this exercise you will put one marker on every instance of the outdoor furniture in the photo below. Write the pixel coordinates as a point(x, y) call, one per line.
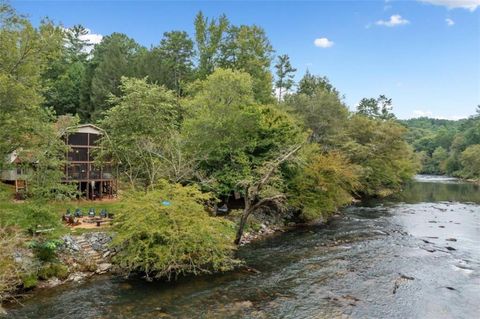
point(222, 210)
point(72, 221)
point(78, 213)
point(66, 216)
point(91, 212)
point(103, 213)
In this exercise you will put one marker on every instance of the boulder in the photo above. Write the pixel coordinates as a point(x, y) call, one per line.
point(103, 268)
point(77, 276)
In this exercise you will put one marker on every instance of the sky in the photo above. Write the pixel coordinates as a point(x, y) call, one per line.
point(424, 54)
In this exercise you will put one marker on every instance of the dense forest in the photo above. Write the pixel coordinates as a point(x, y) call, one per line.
point(198, 120)
point(447, 147)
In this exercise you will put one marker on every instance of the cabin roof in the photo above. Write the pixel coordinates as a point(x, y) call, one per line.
point(86, 128)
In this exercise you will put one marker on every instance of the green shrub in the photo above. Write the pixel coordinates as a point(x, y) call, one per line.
point(38, 215)
point(162, 239)
point(46, 250)
point(29, 280)
point(53, 270)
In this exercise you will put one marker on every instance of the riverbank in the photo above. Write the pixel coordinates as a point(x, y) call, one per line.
point(412, 255)
point(77, 258)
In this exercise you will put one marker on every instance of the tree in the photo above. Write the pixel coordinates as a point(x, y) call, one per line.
point(247, 48)
point(229, 133)
point(76, 44)
point(62, 80)
point(285, 73)
point(323, 113)
point(470, 160)
point(310, 84)
point(379, 147)
point(439, 157)
point(167, 232)
point(253, 188)
point(376, 108)
point(24, 53)
point(208, 37)
point(176, 50)
point(112, 58)
point(140, 127)
point(322, 182)
point(170, 63)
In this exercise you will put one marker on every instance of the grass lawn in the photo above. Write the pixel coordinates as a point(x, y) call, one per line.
point(10, 210)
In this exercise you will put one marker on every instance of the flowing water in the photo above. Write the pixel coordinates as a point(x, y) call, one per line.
point(416, 255)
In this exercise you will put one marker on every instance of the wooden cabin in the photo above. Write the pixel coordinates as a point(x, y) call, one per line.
point(15, 174)
point(93, 181)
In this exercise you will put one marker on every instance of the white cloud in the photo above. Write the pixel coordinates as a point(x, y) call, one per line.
point(323, 43)
point(449, 22)
point(453, 4)
point(394, 21)
point(92, 38)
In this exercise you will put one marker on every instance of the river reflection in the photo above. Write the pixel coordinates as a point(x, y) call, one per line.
point(414, 255)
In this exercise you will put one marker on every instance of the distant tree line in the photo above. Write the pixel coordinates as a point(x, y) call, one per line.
point(446, 146)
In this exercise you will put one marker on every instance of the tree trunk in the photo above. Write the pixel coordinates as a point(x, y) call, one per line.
point(252, 191)
point(241, 226)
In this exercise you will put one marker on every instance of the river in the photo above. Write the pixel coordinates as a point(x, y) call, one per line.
point(414, 255)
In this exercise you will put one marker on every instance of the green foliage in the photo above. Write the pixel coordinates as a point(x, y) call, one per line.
point(230, 134)
point(51, 270)
point(176, 53)
point(470, 160)
point(169, 240)
point(29, 280)
point(62, 80)
point(285, 73)
point(323, 183)
point(310, 84)
point(379, 108)
point(113, 58)
point(208, 37)
point(380, 149)
point(441, 143)
point(45, 249)
point(323, 113)
point(140, 127)
point(38, 215)
point(247, 48)
point(24, 53)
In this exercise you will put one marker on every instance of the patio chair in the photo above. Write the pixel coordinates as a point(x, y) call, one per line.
point(222, 210)
point(91, 212)
point(78, 213)
point(103, 213)
point(67, 215)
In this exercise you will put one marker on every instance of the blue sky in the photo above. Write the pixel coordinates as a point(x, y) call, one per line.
point(424, 54)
